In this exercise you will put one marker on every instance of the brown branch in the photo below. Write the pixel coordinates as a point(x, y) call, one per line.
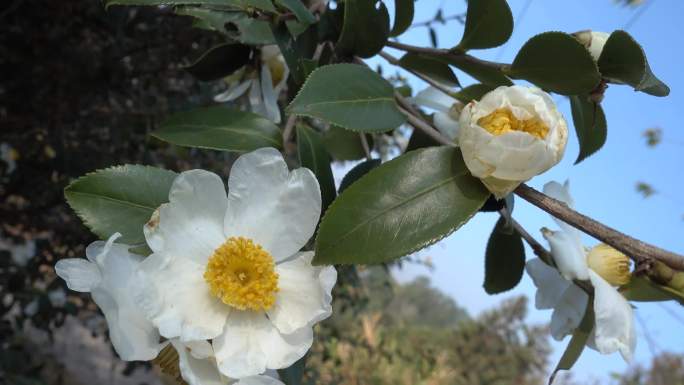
point(364, 144)
point(637, 250)
point(452, 56)
point(392, 60)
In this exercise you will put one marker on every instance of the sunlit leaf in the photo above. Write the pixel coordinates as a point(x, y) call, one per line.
point(489, 23)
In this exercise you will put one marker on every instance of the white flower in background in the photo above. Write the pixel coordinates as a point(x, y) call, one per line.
point(21, 253)
point(603, 266)
point(510, 135)
point(228, 268)
point(594, 41)
point(9, 155)
point(108, 275)
point(447, 110)
point(264, 86)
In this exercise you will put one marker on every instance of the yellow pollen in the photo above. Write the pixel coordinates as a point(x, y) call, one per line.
point(242, 274)
point(610, 264)
point(502, 120)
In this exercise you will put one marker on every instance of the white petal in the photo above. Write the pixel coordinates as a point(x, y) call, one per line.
point(256, 101)
point(79, 274)
point(446, 125)
point(270, 97)
point(569, 312)
point(304, 296)
point(433, 98)
point(550, 285)
point(250, 344)
point(568, 254)
point(258, 380)
point(276, 209)
point(561, 192)
point(196, 371)
point(177, 300)
point(191, 224)
point(233, 92)
point(200, 349)
point(614, 320)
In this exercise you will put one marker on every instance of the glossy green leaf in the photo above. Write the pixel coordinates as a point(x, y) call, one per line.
point(399, 207)
point(482, 73)
point(312, 155)
point(472, 92)
point(344, 144)
point(557, 62)
point(357, 172)
point(504, 259)
point(590, 125)
point(434, 69)
point(245, 29)
point(119, 199)
point(299, 10)
point(489, 23)
point(577, 342)
point(403, 16)
point(351, 96)
point(220, 128)
point(220, 61)
point(365, 28)
point(623, 61)
point(264, 5)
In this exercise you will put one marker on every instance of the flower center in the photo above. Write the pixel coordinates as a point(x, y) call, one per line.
point(610, 264)
point(242, 274)
point(502, 120)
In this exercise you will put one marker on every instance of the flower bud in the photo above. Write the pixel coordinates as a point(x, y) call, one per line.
point(610, 264)
point(594, 41)
point(510, 135)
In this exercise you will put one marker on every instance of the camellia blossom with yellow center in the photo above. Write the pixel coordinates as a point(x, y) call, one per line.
point(510, 135)
point(228, 267)
point(603, 266)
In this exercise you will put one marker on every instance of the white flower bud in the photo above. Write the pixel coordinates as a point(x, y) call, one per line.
point(511, 135)
point(594, 41)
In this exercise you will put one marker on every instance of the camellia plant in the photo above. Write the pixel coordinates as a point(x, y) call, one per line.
point(224, 285)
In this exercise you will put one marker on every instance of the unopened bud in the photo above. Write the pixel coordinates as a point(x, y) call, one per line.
point(593, 40)
point(610, 264)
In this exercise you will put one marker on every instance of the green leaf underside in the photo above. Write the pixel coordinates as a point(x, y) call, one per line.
point(489, 23)
point(556, 61)
point(357, 172)
point(312, 155)
point(299, 10)
point(484, 74)
point(265, 5)
point(590, 125)
point(623, 61)
point(403, 16)
point(295, 373)
point(119, 199)
point(642, 289)
point(248, 30)
point(577, 342)
point(219, 61)
point(220, 128)
point(351, 96)
point(434, 69)
point(472, 92)
point(504, 259)
point(344, 144)
point(365, 29)
point(399, 207)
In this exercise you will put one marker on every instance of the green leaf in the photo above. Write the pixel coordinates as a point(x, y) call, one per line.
point(590, 125)
point(623, 61)
point(220, 61)
point(119, 199)
point(504, 259)
point(264, 5)
point(296, 51)
point(312, 155)
point(299, 10)
point(344, 144)
point(403, 16)
point(351, 96)
point(419, 139)
point(482, 73)
point(295, 373)
point(472, 92)
point(489, 23)
point(399, 207)
point(434, 69)
point(642, 289)
point(365, 28)
point(246, 30)
point(357, 172)
point(220, 128)
point(557, 62)
point(577, 342)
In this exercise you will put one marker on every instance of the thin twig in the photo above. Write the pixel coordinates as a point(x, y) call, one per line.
point(289, 127)
point(637, 250)
point(426, 128)
point(392, 60)
point(450, 55)
point(364, 144)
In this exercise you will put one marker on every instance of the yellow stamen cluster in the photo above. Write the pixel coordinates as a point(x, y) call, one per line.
point(167, 360)
point(610, 264)
point(242, 274)
point(502, 120)
point(277, 68)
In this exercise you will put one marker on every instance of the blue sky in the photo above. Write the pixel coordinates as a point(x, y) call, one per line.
point(603, 185)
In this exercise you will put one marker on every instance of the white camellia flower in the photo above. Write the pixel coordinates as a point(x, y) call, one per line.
point(603, 266)
point(510, 135)
point(264, 87)
point(108, 274)
point(227, 268)
point(594, 41)
point(447, 110)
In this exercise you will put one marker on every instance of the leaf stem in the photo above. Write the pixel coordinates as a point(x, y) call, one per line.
point(414, 119)
point(451, 55)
